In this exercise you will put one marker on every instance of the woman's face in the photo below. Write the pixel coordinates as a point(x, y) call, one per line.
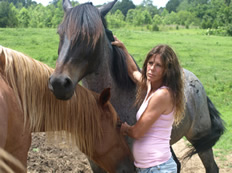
point(155, 69)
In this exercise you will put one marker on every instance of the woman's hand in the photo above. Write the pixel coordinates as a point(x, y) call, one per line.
point(118, 43)
point(124, 128)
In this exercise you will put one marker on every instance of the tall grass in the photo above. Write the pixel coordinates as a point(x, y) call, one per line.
point(208, 57)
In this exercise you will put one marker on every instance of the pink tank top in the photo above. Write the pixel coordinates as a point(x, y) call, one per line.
point(154, 147)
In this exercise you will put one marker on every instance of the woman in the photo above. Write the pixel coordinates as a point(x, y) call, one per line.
point(161, 92)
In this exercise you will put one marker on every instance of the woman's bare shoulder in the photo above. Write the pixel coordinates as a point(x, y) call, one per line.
point(162, 97)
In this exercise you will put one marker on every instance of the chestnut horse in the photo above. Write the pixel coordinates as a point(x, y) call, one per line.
point(88, 120)
point(85, 53)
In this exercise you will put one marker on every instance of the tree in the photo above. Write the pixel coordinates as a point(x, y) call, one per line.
point(207, 22)
point(172, 5)
point(23, 18)
point(141, 17)
point(227, 2)
point(115, 20)
point(123, 6)
point(55, 3)
point(157, 19)
point(147, 19)
point(22, 3)
point(183, 6)
point(186, 18)
point(38, 15)
point(50, 10)
point(12, 16)
point(130, 16)
point(164, 12)
point(8, 15)
point(58, 15)
point(148, 5)
point(171, 18)
point(4, 8)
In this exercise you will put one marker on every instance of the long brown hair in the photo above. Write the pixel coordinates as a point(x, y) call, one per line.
point(172, 78)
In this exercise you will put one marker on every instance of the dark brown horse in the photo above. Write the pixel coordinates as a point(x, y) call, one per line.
point(85, 53)
point(88, 120)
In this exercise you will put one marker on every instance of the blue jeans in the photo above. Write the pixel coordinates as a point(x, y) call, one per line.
point(167, 167)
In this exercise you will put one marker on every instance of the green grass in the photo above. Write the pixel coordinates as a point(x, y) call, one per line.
point(41, 44)
point(208, 57)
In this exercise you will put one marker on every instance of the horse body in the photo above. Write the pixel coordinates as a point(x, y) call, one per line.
point(196, 111)
point(88, 120)
point(201, 125)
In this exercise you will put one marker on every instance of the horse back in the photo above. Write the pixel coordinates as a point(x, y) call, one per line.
point(196, 105)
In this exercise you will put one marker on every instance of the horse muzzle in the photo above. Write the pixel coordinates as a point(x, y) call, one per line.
point(61, 86)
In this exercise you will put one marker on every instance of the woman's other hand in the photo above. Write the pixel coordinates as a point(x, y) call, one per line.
point(124, 128)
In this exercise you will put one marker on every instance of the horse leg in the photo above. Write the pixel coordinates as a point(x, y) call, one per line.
point(208, 161)
point(176, 160)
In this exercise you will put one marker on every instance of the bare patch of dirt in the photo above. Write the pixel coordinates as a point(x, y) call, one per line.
point(45, 157)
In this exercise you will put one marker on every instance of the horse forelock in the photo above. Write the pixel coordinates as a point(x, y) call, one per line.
point(80, 116)
point(82, 24)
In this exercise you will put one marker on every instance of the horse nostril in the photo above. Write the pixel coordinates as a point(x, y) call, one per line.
point(67, 83)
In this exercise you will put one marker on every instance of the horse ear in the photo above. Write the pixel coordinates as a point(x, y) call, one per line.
point(106, 8)
point(104, 96)
point(66, 5)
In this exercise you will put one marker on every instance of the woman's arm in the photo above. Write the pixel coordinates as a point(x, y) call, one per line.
point(133, 71)
point(160, 103)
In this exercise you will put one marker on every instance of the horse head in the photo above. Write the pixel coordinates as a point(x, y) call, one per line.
point(114, 143)
point(80, 48)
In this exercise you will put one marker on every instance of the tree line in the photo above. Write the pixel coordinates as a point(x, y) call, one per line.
point(215, 15)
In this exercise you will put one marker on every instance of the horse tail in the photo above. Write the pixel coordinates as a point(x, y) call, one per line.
point(209, 140)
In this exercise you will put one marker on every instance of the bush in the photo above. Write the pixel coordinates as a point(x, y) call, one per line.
point(220, 31)
point(229, 29)
point(155, 27)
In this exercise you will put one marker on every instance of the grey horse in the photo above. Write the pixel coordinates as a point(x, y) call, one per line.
point(85, 53)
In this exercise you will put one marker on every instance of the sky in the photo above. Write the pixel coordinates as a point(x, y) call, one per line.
point(157, 3)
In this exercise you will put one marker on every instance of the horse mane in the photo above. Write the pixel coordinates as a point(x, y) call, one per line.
point(79, 118)
point(118, 67)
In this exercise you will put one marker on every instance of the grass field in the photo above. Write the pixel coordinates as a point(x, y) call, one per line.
point(208, 57)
